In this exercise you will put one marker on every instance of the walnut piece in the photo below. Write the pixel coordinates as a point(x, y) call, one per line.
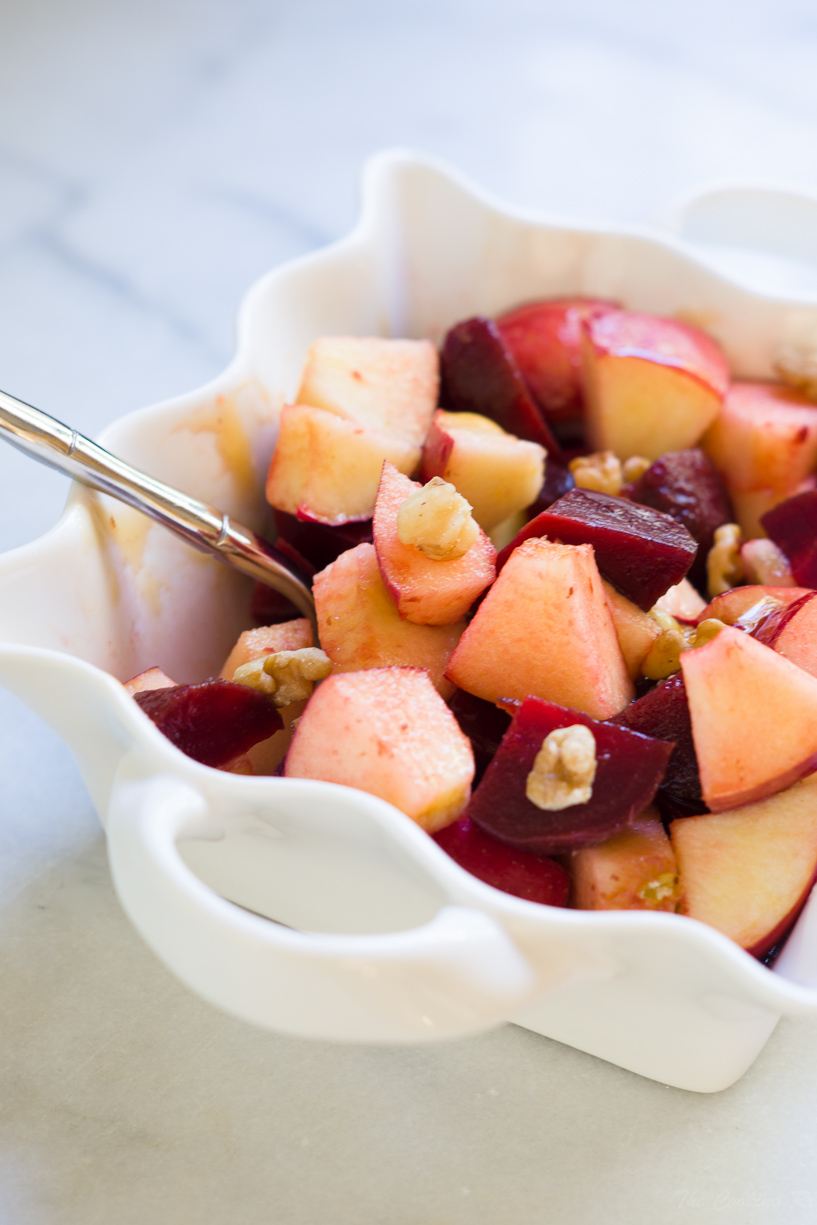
point(634, 467)
point(564, 769)
point(724, 569)
point(438, 521)
point(797, 366)
point(285, 676)
point(600, 471)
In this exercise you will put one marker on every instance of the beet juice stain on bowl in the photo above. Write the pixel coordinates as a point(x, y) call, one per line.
point(652, 991)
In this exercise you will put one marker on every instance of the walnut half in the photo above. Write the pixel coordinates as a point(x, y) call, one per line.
point(438, 521)
point(285, 676)
point(564, 769)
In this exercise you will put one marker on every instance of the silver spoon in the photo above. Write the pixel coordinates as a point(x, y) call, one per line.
point(202, 526)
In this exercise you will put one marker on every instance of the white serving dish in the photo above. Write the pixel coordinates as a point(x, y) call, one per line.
point(386, 939)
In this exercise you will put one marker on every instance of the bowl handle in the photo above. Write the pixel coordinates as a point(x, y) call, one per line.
point(458, 974)
point(775, 223)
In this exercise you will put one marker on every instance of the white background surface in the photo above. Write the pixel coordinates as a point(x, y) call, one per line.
point(154, 159)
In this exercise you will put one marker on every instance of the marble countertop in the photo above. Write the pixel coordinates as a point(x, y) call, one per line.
point(154, 160)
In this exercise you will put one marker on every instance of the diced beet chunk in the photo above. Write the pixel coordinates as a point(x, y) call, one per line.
point(483, 723)
point(212, 722)
point(792, 525)
point(321, 543)
point(629, 769)
point(641, 551)
point(663, 713)
point(522, 873)
point(479, 375)
point(686, 486)
point(269, 607)
point(558, 481)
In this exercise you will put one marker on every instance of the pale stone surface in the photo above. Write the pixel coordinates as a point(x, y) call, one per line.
point(154, 159)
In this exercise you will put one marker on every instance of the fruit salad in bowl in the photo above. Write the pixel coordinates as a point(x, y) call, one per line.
point(550, 756)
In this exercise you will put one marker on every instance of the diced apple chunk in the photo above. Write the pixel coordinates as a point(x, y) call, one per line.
point(252, 644)
point(545, 629)
point(682, 602)
point(651, 384)
point(426, 592)
point(328, 468)
point(498, 473)
point(754, 719)
point(359, 625)
point(388, 732)
point(151, 678)
point(633, 870)
point(265, 756)
point(636, 630)
point(764, 437)
point(749, 872)
point(385, 385)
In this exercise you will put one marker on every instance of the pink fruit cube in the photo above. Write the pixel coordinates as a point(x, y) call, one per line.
point(388, 732)
point(545, 629)
point(426, 592)
point(754, 719)
point(359, 625)
point(633, 870)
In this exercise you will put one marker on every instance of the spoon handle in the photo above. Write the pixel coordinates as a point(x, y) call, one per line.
point(201, 525)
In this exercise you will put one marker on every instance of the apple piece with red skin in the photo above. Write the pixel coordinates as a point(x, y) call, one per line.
point(633, 870)
point(792, 525)
point(483, 723)
point(764, 437)
point(663, 714)
point(749, 872)
point(520, 873)
point(426, 592)
point(754, 719)
point(641, 551)
point(687, 486)
point(545, 339)
point(498, 474)
point(479, 375)
point(359, 625)
point(731, 605)
point(213, 722)
point(384, 384)
point(545, 628)
point(388, 732)
point(629, 769)
point(327, 468)
point(792, 632)
point(651, 384)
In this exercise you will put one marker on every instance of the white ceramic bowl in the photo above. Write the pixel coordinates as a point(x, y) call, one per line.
point(379, 936)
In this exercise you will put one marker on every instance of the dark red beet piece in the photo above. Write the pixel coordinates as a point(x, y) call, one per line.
point(792, 525)
point(663, 713)
point(483, 723)
point(321, 543)
point(269, 607)
point(639, 550)
point(212, 722)
point(522, 873)
point(686, 486)
point(558, 481)
point(629, 769)
point(479, 375)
